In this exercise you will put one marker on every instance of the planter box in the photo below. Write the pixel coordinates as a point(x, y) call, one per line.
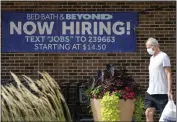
point(126, 109)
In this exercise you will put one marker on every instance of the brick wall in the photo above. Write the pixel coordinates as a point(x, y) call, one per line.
point(159, 23)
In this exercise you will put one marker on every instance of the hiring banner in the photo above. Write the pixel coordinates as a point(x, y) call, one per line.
point(69, 32)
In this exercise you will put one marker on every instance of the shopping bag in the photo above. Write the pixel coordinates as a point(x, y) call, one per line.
point(169, 112)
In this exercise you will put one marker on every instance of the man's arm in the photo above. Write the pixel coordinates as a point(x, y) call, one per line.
point(169, 78)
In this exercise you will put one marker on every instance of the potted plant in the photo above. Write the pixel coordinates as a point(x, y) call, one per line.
point(114, 89)
point(138, 109)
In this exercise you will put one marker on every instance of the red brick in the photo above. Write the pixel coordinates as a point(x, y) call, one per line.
point(160, 24)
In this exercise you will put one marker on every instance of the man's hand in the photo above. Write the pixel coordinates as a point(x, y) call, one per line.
point(170, 96)
point(169, 78)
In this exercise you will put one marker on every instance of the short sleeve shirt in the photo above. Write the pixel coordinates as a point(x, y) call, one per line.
point(158, 83)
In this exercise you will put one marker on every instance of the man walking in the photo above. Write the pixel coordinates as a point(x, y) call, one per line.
point(160, 80)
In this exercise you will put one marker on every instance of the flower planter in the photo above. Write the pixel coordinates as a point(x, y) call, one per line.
point(126, 109)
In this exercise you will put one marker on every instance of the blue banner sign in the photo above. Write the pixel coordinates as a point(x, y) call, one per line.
point(69, 32)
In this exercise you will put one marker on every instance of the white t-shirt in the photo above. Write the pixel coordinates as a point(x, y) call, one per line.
point(158, 83)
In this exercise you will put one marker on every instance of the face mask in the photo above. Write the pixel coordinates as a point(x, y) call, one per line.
point(150, 51)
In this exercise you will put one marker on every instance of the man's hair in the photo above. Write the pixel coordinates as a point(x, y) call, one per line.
point(153, 41)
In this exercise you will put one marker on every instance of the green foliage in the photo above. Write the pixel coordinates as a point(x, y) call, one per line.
point(109, 107)
point(94, 93)
point(139, 108)
point(112, 85)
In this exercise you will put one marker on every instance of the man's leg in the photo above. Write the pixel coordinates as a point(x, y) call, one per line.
point(150, 114)
point(161, 102)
